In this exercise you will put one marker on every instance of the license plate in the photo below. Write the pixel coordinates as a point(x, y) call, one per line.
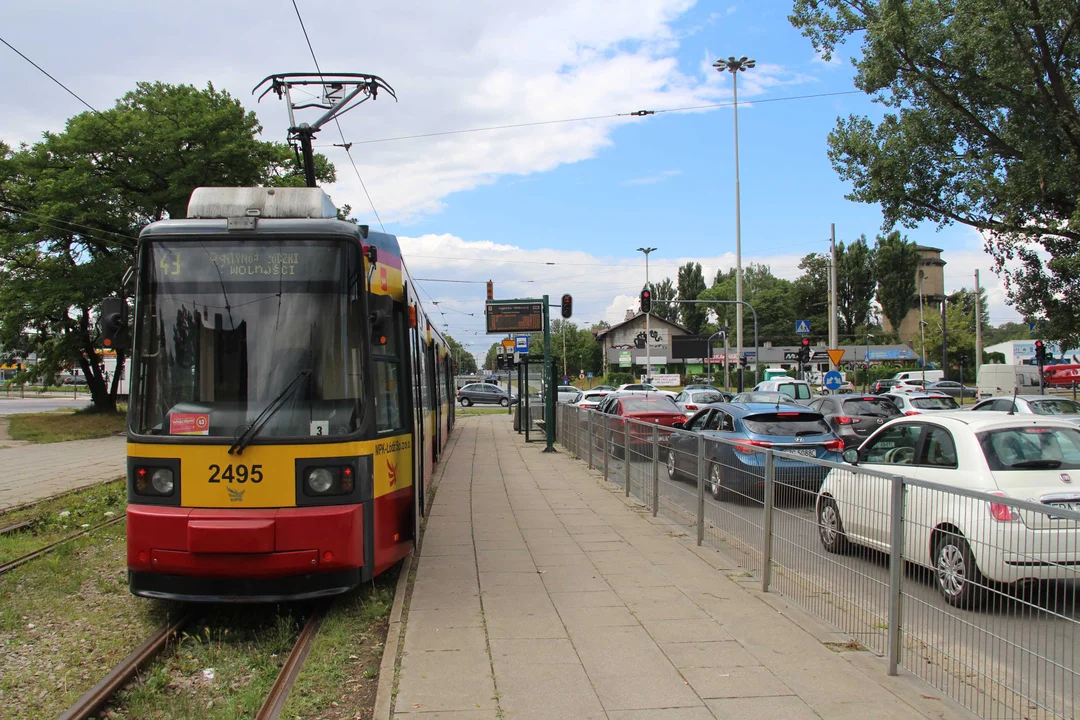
point(805, 452)
point(1065, 505)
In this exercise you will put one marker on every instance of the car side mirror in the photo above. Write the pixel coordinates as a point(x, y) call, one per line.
point(678, 424)
point(851, 456)
point(380, 311)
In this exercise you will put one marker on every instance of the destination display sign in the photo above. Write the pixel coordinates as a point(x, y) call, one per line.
point(223, 261)
point(510, 317)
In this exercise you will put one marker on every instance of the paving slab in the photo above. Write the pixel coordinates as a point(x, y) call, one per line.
point(66, 466)
point(541, 592)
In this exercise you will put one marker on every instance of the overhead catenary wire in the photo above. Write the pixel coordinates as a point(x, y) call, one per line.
point(48, 75)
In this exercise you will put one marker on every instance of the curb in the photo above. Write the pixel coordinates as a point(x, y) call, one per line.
point(384, 691)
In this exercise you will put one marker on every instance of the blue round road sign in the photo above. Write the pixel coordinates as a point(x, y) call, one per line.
point(833, 380)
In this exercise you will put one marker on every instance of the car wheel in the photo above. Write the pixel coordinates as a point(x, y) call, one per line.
point(672, 471)
point(831, 527)
point(466, 402)
point(716, 480)
point(504, 402)
point(955, 572)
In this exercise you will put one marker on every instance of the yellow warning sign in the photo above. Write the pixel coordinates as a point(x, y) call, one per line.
point(836, 356)
point(508, 343)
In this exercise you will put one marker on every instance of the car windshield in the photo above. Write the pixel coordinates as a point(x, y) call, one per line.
point(934, 403)
point(786, 423)
point(1031, 448)
point(225, 326)
point(873, 407)
point(797, 391)
point(1054, 406)
point(706, 397)
point(660, 403)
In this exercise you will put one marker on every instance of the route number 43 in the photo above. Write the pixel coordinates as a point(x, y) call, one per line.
point(238, 473)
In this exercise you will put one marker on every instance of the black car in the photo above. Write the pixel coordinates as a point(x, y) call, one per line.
point(854, 417)
point(882, 386)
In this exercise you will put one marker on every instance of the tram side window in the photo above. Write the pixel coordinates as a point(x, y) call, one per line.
point(390, 380)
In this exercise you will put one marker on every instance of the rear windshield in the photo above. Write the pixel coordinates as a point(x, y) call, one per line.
point(706, 397)
point(660, 403)
point(795, 390)
point(935, 403)
point(1055, 406)
point(782, 423)
point(873, 407)
point(1031, 448)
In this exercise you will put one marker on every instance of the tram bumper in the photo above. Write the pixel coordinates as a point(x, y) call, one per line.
point(269, 555)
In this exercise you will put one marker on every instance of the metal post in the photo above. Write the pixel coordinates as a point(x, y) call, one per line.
point(727, 368)
point(738, 228)
point(896, 571)
point(834, 340)
point(604, 447)
point(588, 430)
point(978, 327)
point(767, 524)
point(700, 489)
point(549, 370)
point(626, 460)
point(656, 468)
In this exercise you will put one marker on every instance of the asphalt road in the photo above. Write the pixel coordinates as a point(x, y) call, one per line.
point(998, 651)
point(17, 406)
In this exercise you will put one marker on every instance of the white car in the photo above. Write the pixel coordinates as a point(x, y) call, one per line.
point(920, 403)
point(644, 387)
point(1057, 407)
point(969, 543)
point(591, 398)
point(911, 385)
point(567, 394)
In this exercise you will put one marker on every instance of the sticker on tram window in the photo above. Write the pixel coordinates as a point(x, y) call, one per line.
point(238, 473)
point(320, 427)
point(189, 424)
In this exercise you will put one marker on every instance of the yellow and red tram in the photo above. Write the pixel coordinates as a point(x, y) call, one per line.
point(289, 400)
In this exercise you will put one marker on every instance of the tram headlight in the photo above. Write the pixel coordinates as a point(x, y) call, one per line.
point(162, 480)
point(320, 480)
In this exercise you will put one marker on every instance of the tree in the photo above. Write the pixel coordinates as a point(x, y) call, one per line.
point(691, 285)
point(461, 359)
point(810, 293)
point(897, 261)
point(71, 207)
point(662, 305)
point(771, 297)
point(984, 130)
point(855, 284)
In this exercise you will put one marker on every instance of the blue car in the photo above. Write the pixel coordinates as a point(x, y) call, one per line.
point(738, 466)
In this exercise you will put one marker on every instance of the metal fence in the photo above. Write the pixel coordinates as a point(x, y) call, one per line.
point(973, 592)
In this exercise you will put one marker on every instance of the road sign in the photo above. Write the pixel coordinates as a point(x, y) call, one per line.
point(508, 344)
point(590, 375)
point(521, 343)
point(833, 380)
point(836, 356)
point(581, 376)
point(802, 327)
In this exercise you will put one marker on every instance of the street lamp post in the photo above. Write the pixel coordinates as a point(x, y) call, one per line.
point(866, 362)
point(735, 66)
point(648, 350)
point(922, 329)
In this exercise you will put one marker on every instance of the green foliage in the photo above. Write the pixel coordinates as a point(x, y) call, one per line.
point(662, 305)
point(691, 285)
point(771, 297)
point(811, 292)
point(856, 279)
point(983, 129)
point(897, 261)
point(462, 359)
point(72, 205)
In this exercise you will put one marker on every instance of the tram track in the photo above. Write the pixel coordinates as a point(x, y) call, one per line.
point(22, 560)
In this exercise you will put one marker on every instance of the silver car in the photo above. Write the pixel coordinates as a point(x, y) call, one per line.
point(484, 393)
point(690, 401)
point(1059, 407)
point(567, 394)
point(919, 403)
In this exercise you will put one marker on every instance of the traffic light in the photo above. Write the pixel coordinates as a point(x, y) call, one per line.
point(804, 351)
point(743, 361)
point(567, 306)
point(1040, 353)
point(113, 323)
point(646, 301)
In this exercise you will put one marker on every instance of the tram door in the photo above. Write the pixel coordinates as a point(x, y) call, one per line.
point(433, 400)
point(419, 465)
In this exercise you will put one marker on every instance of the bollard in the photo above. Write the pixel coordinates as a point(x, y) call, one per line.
point(700, 489)
point(655, 469)
point(626, 460)
point(896, 571)
point(767, 524)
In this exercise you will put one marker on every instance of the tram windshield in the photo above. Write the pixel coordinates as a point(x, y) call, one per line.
point(226, 329)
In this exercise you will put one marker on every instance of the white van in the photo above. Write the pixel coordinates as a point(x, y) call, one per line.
point(931, 375)
point(798, 390)
point(1004, 379)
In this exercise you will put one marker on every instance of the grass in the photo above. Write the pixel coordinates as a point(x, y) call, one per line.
point(65, 620)
point(56, 518)
point(63, 426)
point(341, 673)
point(469, 412)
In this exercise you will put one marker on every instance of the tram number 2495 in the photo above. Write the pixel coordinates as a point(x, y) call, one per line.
point(238, 473)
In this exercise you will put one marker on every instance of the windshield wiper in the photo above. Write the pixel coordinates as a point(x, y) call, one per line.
point(1037, 464)
point(260, 422)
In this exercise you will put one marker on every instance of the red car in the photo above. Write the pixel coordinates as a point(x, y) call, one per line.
point(652, 408)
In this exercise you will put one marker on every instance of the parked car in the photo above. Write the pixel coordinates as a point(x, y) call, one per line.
point(690, 401)
point(653, 408)
point(484, 393)
point(854, 417)
point(951, 388)
point(882, 386)
point(919, 403)
point(769, 398)
point(739, 466)
point(591, 398)
point(969, 543)
point(567, 394)
point(799, 390)
point(1059, 407)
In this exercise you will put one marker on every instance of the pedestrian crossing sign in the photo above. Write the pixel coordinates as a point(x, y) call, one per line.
point(802, 327)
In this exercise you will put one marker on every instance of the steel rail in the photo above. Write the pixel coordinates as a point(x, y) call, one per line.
point(94, 698)
point(16, 526)
point(275, 700)
point(49, 548)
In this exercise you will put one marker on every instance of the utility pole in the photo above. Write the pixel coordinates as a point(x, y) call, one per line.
point(648, 349)
point(922, 329)
point(945, 338)
point(978, 326)
point(833, 330)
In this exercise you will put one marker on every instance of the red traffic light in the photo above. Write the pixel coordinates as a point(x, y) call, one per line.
point(1038, 343)
point(645, 294)
point(806, 342)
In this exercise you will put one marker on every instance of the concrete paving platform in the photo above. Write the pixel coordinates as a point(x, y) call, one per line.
point(540, 592)
point(32, 472)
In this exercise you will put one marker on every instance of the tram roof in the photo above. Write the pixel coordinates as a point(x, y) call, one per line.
point(262, 202)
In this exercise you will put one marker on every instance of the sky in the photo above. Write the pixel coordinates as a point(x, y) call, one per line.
point(550, 208)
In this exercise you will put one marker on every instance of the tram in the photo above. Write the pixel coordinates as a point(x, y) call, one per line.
point(289, 400)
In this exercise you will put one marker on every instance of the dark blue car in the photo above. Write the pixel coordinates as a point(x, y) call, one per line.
point(738, 465)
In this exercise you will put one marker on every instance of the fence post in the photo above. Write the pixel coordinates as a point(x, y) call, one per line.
point(604, 447)
point(655, 469)
point(767, 523)
point(588, 430)
point(700, 489)
point(626, 460)
point(896, 570)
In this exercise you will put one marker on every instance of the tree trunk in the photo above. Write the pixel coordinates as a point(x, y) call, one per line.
point(103, 400)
